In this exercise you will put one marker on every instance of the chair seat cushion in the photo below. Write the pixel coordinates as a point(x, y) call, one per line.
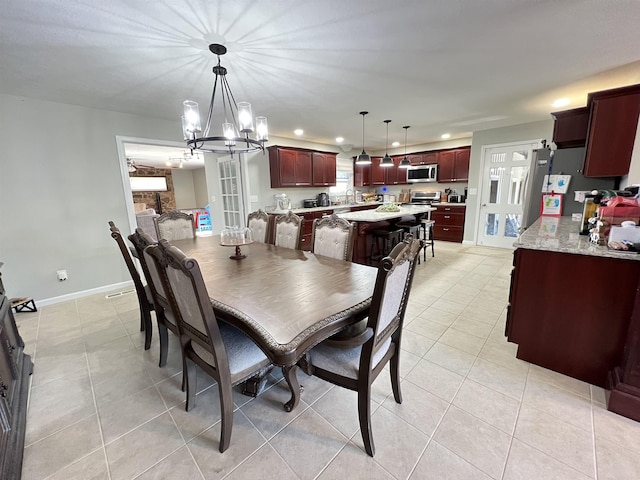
point(341, 361)
point(245, 357)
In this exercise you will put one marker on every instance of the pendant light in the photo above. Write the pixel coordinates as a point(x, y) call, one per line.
point(363, 158)
point(386, 161)
point(405, 163)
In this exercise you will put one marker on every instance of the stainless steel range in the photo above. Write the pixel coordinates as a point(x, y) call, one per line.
point(424, 198)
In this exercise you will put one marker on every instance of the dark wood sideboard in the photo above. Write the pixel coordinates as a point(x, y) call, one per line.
point(15, 368)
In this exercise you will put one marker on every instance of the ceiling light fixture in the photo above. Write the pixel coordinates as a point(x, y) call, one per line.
point(386, 161)
point(339, 139)
point(395, 144)
point(561, 102)
point(298, 131)
point(236, 119)
point(405, 163)
point(444, 136)
point(363, 158)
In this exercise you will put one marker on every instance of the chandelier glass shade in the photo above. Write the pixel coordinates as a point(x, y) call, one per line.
point(363, 158)
point(234, 123)
point(405, 163)
point(386, 161)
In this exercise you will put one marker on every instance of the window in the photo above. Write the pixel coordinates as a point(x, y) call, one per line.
point(148, 184)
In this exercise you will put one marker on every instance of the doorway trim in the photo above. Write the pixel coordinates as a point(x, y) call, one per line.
point(124, 172)
point(481, 182)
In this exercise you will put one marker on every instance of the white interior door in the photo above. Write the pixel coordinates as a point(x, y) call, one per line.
point(233, 209)
point(505, 174)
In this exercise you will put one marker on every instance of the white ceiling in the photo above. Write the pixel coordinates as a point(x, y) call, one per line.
point(440, 66)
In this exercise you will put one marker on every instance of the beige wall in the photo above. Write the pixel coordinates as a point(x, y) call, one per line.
point(60, 183)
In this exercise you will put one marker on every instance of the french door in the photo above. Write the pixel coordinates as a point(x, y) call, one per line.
point(505, 174)
point(233, 207)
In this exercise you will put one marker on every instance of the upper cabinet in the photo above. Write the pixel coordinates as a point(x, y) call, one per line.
point(606, 126)
point(453, 165)
point(324, 169)
point(570, 127)
point(612, 131)
point(297, 167)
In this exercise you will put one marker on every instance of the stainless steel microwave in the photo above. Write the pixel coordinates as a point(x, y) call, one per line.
point(422, 173)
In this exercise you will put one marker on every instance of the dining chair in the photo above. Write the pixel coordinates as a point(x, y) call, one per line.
point(175, 225)
point(145, 298)
point(332, 237)
point(357, 367)
point(219, 349)
point(164, 315)
point(288, 230)
point(260, 225)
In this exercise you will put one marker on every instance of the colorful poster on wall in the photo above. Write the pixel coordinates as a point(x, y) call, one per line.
point(551, 205)
point(556, 183)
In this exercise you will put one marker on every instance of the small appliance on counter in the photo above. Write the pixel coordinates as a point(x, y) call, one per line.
point(456, 198)
point(283, 202)
point(323, 200)
point(309, 203)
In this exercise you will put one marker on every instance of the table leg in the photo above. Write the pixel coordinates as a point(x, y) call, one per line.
point(291, 376)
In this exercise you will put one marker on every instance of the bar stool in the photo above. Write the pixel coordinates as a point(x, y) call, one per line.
point(427, 225)
point(389, 239)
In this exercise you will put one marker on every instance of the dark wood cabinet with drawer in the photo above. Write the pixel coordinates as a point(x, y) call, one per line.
point(449, 222)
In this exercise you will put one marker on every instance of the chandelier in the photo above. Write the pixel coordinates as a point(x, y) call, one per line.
point(235, 123)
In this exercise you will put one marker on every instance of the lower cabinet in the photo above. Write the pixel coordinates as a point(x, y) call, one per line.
point(571, 313)
point(449, 222)
point(15, 368)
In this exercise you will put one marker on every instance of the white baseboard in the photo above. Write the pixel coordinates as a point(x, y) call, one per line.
point(84, 293)
point(468, 242)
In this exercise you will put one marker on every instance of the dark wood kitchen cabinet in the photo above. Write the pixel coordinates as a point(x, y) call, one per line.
point(290, 167)
point(570, 127)
point(566, 316)
point(361, 175)
point(612, 131)
point(623, 382)
point(378, 175)
point(453, 165)
point(606, 126)
point(15, 368)
point(324, 169)
point(449, 222)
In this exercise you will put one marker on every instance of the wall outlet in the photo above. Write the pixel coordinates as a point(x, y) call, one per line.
point(62, 275)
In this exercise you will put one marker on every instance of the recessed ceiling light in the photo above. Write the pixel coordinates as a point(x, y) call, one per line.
point(298, 131)
point(444, 136)
point(561, 102)
point(339, 139)
point(395, 144)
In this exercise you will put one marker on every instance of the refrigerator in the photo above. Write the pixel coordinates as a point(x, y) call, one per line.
point(566, 161)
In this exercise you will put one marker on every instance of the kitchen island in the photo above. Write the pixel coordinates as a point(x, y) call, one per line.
point(571, 301)
point(371, 219)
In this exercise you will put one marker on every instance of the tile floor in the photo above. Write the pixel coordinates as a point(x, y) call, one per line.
point(100, 408)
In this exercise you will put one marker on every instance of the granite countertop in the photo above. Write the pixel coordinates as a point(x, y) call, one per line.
point(329, 207)
point(371, 216)
point(560, 234)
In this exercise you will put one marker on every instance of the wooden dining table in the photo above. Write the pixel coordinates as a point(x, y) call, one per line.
point(285, 300)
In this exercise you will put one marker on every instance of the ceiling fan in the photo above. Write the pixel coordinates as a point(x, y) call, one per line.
point(132, 166)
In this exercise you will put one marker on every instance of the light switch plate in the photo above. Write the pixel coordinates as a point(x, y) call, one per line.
point(473, 191)
point(253, 198)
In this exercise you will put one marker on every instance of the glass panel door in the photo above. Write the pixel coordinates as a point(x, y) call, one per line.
point(504, 184)
point(230, 186)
